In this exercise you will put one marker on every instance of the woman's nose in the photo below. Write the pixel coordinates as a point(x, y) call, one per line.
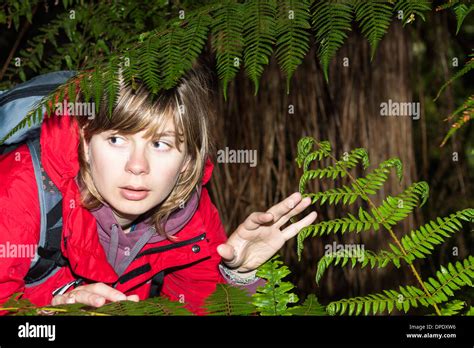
point(137, 163)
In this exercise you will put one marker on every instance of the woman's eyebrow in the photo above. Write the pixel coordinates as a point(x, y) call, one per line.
point(166, 134)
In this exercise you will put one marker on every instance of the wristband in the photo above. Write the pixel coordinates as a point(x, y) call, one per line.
point(237, 277)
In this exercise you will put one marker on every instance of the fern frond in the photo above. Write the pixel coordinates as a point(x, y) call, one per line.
point(170, 55)
point(229, 300)
point(421, 241)
point(450, 278)
point(417, 244)
point(409, 9)
point(273, 298)
point(195, 37)
point(331, 20)
point(466, 68)
point(303, 148)
point(467, 110)
point(293, 36)
point(362, 187)
point(111, 82)
point(392, 210)
point(159, 306)
point(374, 19)
point(181, 46)
point(259, 36)
point(310, 307)
point(338, 169)
point(453, 307)
point(149, 54)
point(462, 11)
point(304, 155)
point(227, 41)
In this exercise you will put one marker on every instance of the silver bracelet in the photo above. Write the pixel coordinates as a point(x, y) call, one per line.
point(235, 276)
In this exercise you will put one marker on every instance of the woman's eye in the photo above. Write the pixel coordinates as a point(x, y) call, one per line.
point(161, 145)
point(116, 140)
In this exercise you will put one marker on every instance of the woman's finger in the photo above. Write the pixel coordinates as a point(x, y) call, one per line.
point(105, 291)
point(59, 300)
point(133, 298)
point(86, 297)
point(284, 207)
point(255, 220)
point(302, 205)
point(293, 229)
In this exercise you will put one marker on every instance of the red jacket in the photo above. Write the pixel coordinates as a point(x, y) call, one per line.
point(193, 272)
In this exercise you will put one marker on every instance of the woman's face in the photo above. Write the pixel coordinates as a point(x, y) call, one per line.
point(134, 174)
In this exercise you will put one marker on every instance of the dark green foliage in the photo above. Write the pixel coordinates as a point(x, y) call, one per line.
point(448, 279)
point(153, 306)
point(331, 20)
point(293, 35)
point(374, 19)
point(114, 44)
point(229, 300)
point(227, 41)
point(274, 297)
point(409, 9)
point(259, 36)
point(417, 244)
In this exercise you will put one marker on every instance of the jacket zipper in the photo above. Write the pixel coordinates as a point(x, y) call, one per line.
point(147, 267)
point(171, 246)
point(27, 92)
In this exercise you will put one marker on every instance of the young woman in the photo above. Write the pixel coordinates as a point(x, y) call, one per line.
point(137, 221)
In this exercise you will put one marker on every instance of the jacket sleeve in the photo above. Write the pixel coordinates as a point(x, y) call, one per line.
point(16, 245)
point(19, 221)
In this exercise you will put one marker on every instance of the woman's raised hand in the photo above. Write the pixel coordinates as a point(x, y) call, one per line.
point(260, 236)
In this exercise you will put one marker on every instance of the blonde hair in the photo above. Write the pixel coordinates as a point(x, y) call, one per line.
point(189, 106)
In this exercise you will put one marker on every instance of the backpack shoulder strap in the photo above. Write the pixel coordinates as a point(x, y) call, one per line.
point(48, 258)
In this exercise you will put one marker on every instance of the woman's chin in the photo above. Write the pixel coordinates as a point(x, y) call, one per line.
point(132, 208)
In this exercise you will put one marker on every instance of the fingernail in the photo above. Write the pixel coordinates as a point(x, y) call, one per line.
point(291, 204)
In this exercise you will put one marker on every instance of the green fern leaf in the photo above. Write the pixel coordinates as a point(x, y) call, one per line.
point(339, 169)
point(181, 47)
point(461, 11)
point(467, 68)
point(229, 300)
point(111, 82)
point(453, 307)
point(273, 298)
point(420, 242)
point(293, 36)
point(466, 110)
point(310, 307)
point(374, 19)
point(331, 20)
point(148, 56)
point(227, 41)
point(407, 10)
point(259, 36)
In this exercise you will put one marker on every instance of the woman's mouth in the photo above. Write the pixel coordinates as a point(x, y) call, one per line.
point(134, 193)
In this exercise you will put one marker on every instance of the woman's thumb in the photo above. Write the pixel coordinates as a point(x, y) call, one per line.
point(227, 252)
